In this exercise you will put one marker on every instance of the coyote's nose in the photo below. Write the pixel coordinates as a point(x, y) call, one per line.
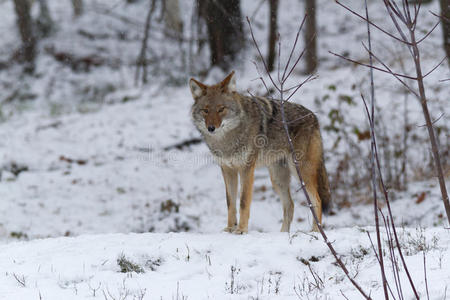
point(211, 128)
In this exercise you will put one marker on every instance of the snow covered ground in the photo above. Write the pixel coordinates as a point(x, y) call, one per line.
point(211, 266)
point(97, 172)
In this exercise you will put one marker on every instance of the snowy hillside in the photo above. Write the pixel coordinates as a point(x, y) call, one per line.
point(97, 200)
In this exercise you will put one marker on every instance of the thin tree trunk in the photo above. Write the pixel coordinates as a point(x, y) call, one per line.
point(172, 16)
point(224, 24)
point(78, 7)
point(44, 21)
point(310, 37)
point(272, 33)
point(25, 25)
point(445, 21)
point(429, 123)
point(142, 58)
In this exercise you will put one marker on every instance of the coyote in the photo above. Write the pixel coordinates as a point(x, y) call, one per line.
point(247, 132)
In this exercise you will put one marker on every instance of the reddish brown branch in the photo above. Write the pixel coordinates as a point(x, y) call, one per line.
point(372, 161)
point(373, 24)
point(372, 67)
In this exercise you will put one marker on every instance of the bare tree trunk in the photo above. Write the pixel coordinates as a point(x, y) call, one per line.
point(172, 16)
point(445, 21)
point(142, 58)
point(272, 33)
point(44, 21)
point(224, 23)
point(25, 25)
point(310, 37)
point(78, 7)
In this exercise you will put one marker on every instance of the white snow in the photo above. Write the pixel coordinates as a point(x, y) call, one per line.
point(98, 172)
point(199, 266)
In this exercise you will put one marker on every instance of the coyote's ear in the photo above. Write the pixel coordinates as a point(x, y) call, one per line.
point(197, 88)
point(229, 83)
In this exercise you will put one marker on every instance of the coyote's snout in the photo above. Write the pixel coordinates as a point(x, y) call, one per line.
point(245, 132)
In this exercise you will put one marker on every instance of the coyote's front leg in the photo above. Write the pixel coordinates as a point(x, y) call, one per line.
point(247, 177)
point(230, 176)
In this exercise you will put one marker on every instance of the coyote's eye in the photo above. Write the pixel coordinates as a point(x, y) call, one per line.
point(221, 109)
point(204, 110)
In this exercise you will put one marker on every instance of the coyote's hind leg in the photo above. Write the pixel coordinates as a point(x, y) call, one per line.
point(280, 177)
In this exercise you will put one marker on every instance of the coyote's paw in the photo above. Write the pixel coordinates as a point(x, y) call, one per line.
point(315, 228)
point(284, 229)
point(229, 229)
point(240, 231)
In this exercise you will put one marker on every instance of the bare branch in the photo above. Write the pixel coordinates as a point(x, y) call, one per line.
point(310, 78)
point(386, 197)
point(399, 29)
point(393, 74)
point(437, 66)
point(372, 67)
point(279, 56)
point(429, 32)
point(434, 122)
point(378, 259)
point(20, 279)
point(431, 133)
point(394, 261)
point(300, 56)
point(425, 274)
point(343, 295)
point(396, 11)
point(416, 14)
point(293, 47)
point(373, 24)
point(372, 162)
point(260, 54)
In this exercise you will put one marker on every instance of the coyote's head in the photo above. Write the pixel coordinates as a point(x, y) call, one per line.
point(216, 109)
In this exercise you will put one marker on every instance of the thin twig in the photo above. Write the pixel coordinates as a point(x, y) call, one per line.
point(373, 24)
point(378, 259)
point(343, 295)
point(260, 54)
point(386, 197)
point(429, 32)
point(372, 161)
point(372, 67)
point(425, 274)
point(437, 66)
point(394, 261)
point(293, 48)
point(394, 21)
point(21, 280)
point(308, 79)
point(434, 122)
point(393, 74)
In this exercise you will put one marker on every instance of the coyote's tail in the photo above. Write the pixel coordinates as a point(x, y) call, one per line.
point(324, 188)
